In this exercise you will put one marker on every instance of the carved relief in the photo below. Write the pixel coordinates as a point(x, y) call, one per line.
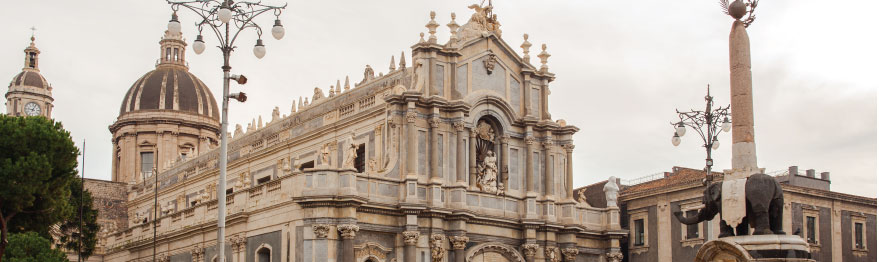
point(530, 140)
point(320, 230)
point(459, 242)
point(530, 250)
point(371, 249)
point(570, 253)
point(489, 63)
point(410, 116)
point(411, 237)
point(487, 168)
point(437, 252)
point(569, 148)
point(551, 254)
point(348, 231)
point(325, 155)
point(434, 122)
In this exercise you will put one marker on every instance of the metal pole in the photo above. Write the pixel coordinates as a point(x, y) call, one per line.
point(221, 188)
point(81, 194)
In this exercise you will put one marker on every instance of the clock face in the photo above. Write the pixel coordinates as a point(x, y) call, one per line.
point(32, 109)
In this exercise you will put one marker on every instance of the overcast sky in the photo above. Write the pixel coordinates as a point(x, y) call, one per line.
point(622, 69)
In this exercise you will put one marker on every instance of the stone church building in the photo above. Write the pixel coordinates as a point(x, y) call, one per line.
point(454, 157)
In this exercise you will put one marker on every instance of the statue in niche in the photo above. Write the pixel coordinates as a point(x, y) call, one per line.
point(487, 168)
point(325, 155)
point(487, 180)
point(421, 74)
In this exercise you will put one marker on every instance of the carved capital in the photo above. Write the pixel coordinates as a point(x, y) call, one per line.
point(320, 230)
point(437, 252)
point(570, 253)
point(459, 126)
point(459, 242)
point(614, 256)
point(569, 148)
point(551, 254)
point(530, 140)
point(505, 139)
point(547, 144)
point(411, 237)
point(348, 231)
point(378, 130)
point(530, 250)
point(410, 116)
point(434, 122)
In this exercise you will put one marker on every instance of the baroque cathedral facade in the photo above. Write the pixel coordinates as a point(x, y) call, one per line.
point(452, 158)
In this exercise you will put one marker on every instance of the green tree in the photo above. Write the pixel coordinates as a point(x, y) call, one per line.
point(69, 229)
point(31, 247)
point(37, 167)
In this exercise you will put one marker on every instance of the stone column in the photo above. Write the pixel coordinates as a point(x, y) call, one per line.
point(505, 162)
point(461, 163)
point(411, 144)
point(530, 251)
point(744, 159)
point(569, 171)
point(472, 158)
point(410, 239)
point(434, 149)
point(347, 232)
point(549, 183)
point(459, 245)
point(529, 164)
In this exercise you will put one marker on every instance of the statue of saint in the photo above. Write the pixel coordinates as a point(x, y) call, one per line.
point(351, 153)
point(610, 191)
point(488, 173)
point(325, 155)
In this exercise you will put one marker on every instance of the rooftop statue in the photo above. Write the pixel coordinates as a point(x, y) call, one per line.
point(481, 23)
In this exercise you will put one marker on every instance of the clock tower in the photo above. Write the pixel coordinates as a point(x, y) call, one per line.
point(29, 93)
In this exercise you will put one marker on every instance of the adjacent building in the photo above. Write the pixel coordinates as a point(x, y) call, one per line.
point(837, 226)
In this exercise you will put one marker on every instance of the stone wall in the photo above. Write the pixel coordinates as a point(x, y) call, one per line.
point(109, 198)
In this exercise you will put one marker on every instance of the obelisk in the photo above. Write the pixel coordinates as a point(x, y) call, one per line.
point(744, 155)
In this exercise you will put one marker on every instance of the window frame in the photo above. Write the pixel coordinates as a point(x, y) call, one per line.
point(645, 245)
point(261, 247)
point(857, 219)
point(814, 213)
point(687, 206)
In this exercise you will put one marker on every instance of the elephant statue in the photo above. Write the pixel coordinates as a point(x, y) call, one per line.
point(764, 207)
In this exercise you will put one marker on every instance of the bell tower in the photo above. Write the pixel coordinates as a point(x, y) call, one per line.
point(29, 93)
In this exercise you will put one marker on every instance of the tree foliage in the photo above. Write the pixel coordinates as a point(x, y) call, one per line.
point(31, 247)
point(38, 168)
point(69, 229)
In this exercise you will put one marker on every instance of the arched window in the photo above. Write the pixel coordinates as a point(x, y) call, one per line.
point(264, 253)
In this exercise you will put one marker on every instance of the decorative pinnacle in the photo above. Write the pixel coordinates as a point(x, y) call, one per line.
point(422, 37)
point(453, 29)
point(393, 66)
point(525, 49)
point(544, 56)
point(431, 27)
point(347, 86)
point(402, 60)
point(739, 9)
point(338, 86)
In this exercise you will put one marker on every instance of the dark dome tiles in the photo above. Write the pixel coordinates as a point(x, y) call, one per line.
point(149, 97)
point(135, 91)
point(34, 79)
point(186, 89)
point(170, 87)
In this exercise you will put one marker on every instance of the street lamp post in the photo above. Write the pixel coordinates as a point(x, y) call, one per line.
point(710, 121)
point(227, 20)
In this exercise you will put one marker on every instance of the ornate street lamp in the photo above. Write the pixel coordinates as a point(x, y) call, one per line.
point(706, 124)
point(226, 19)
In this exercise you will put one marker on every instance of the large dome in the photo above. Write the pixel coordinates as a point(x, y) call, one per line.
point(170, 88)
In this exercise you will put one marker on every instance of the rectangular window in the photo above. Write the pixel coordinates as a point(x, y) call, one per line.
point(146, 163)
point(693, 230)
point(32, 62)
point(810, 230)
point(440, 155)
point(309, 164)
point(859, 235)
point(360, 159)
point(263, 180)
point(514, 169)
point(638, 238)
